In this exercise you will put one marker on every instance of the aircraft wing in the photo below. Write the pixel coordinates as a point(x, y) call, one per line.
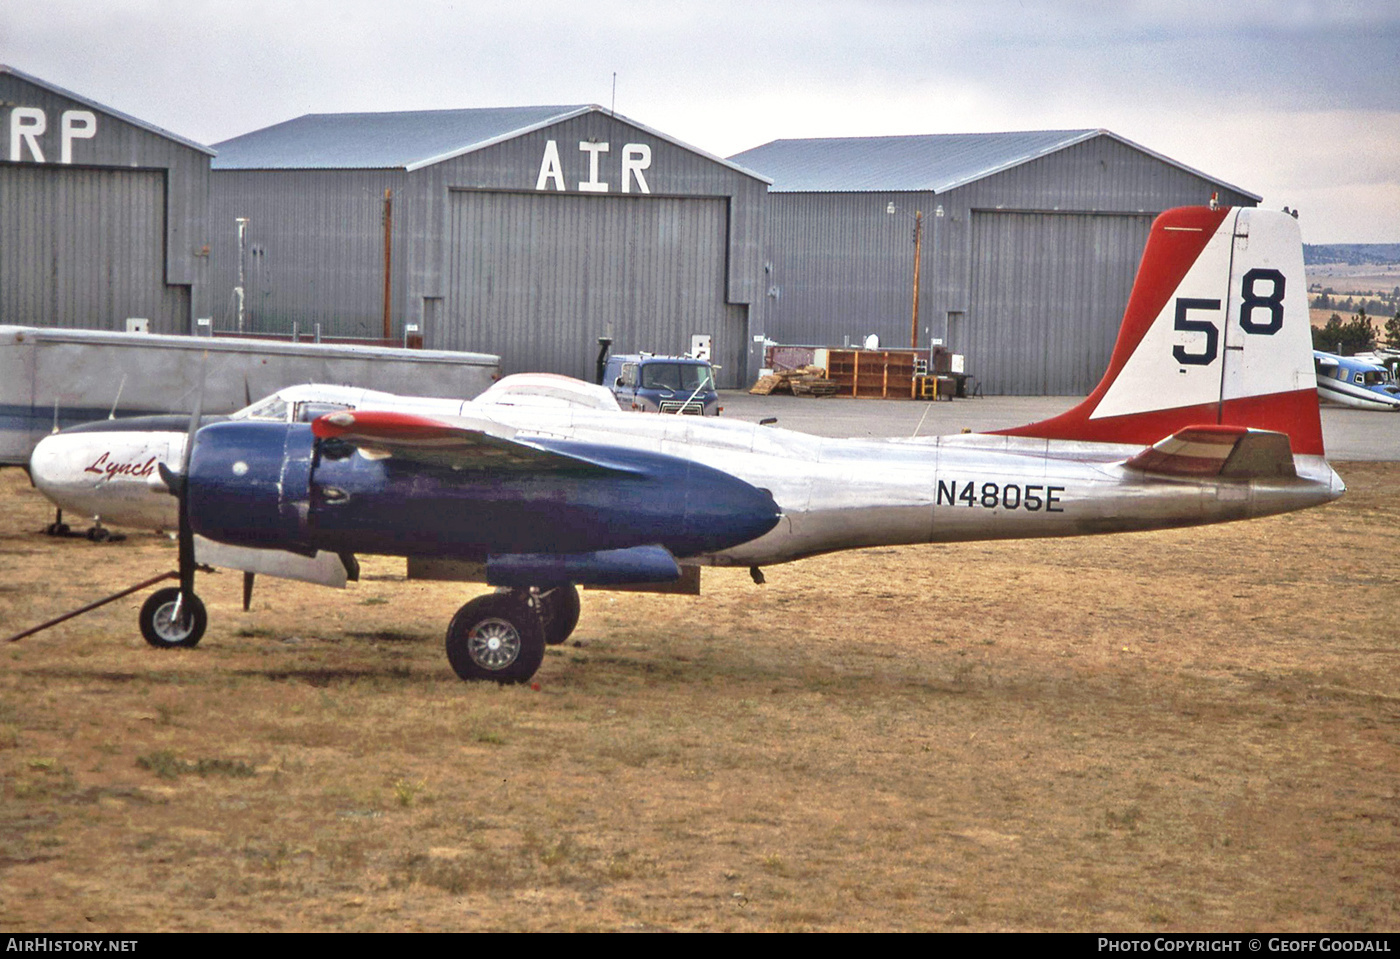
point(458, 443)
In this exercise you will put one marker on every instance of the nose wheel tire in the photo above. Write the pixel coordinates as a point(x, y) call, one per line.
point(163, 628)
point(496, 637)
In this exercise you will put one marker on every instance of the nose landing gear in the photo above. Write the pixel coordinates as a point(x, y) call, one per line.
point(168, 622)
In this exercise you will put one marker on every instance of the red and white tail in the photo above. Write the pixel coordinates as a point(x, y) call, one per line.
point(1216, 333)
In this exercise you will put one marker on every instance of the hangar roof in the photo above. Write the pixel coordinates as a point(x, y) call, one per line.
point(87, 102)
point(404, 140)
point(936, 162)
point(379, 141)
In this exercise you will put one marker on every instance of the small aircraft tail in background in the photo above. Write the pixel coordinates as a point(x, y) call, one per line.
point(1216, 333)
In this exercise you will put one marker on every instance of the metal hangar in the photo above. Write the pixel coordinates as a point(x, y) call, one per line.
point(531, 232)
point(1029, 243)
point(524, 231)
point(102, 215)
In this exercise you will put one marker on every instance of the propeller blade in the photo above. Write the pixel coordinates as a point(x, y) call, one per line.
point(194, 416)
point(186, 537)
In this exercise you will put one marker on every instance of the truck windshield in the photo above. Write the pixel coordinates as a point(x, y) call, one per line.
point(687, 377)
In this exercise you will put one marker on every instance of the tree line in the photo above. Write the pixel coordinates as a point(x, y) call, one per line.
point(1356, 335)
point(1383, 304)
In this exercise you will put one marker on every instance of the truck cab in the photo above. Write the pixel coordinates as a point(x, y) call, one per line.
point(662, 384)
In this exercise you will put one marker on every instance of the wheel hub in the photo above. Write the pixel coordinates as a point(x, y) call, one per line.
point(493, 644)
point(170, 627)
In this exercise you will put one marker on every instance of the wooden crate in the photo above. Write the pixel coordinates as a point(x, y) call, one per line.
point(886, 374)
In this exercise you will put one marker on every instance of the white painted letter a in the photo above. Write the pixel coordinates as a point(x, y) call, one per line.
point(550, 168)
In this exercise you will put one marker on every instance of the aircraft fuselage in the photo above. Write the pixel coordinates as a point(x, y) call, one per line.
point(846, 493)
point(711, 492)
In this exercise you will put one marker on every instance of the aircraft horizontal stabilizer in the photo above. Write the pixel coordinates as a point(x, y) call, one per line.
point(456, 442)
point(1229, 452)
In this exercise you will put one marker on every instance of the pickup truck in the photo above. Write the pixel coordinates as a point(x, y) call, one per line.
point(662, 384)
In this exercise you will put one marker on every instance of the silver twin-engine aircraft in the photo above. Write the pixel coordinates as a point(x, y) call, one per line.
point(1208, 412)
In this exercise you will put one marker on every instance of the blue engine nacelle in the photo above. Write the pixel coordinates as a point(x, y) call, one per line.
point(269, 486)
point(249, 485)
point(613, 499)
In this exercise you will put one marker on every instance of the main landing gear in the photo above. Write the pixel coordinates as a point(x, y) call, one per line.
point(97, 533)
point(502, 636)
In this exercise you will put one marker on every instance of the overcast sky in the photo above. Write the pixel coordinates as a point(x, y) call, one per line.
point(1298, 100)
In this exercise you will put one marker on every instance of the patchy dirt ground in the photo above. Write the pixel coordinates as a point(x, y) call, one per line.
point(1194, 730)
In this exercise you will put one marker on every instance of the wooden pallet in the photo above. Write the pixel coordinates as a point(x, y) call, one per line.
point(765, 385)
point(807, 381)
point(812, 386)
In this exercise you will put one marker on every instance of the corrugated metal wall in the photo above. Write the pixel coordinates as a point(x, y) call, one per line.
point(1048, 292)
point(117, 231)
point(1035, 264)
point(734, 204)
point(841, 267)
point(485, 261)
point(1027, 272)
point(538, 277)
point(1099, 175)
point(313, 252)
point(85, 248)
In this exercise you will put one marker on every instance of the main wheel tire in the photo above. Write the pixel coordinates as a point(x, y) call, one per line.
point(496, 637)
point(559, 610)
point(159, 626)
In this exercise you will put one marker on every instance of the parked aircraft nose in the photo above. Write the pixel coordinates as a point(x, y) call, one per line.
point(110, 473)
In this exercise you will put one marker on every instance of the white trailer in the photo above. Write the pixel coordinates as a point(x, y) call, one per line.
point(59, 377)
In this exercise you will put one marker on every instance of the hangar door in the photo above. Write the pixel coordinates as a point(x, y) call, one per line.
point(537, 278)
point(1048, 293)
point(85, 248)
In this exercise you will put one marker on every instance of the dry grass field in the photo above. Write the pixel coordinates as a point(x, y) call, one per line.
point(1363, 281)
point(1191, 730)
point(1348, 280)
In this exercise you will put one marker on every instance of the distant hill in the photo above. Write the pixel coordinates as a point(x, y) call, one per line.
point(1315, 254)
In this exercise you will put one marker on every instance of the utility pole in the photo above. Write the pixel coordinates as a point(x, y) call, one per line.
point(918, 249)
point(388, 259)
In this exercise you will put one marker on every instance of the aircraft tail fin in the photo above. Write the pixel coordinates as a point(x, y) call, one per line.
point(1216, 332)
